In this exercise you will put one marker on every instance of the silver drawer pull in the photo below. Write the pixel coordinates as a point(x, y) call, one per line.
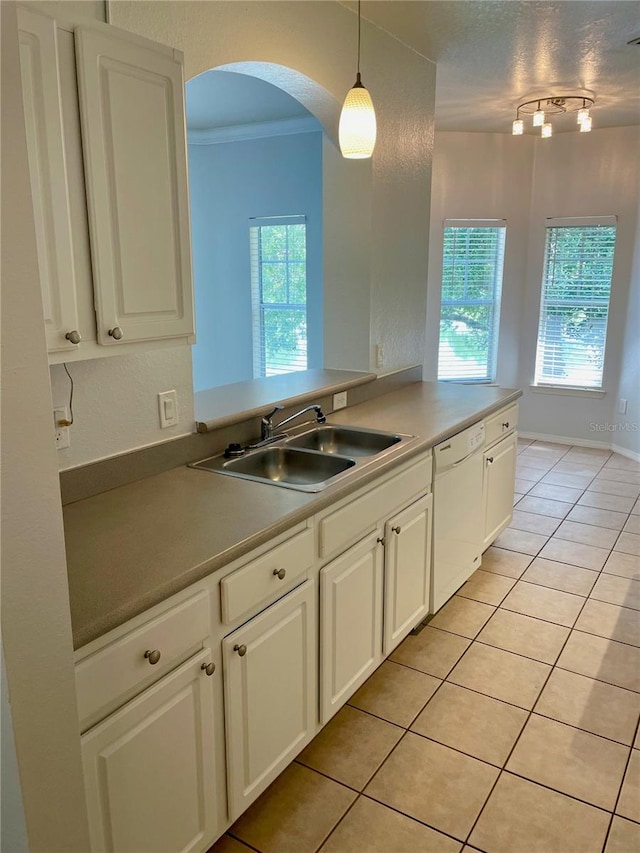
point(116, 333)
point(380, 540)
point(397, 529)
point(280, 573)
point(74, 337)
point(152, 656)
point(489, 460)
point(209, 668)
point(505, 426)
point(242, 650)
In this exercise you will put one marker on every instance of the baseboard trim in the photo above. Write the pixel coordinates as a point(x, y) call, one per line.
point(565, 439)
point(581, 442)
point(624, 451)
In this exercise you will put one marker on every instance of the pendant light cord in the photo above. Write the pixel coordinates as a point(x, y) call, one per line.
point(358, 68)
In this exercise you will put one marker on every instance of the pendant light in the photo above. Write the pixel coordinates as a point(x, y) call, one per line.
point(357, 128)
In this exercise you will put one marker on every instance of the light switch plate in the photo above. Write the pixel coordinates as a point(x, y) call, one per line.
point(168, 409)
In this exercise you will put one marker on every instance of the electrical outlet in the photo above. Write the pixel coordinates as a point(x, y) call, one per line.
point(622, 406)
point(168, 409)
point(379, 355)
point(339, 400)
point(62, 433)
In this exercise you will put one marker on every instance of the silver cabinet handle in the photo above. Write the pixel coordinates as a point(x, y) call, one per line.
point(489, 460)
point(380, 540)
point(116, 333)
point(505, 426)
point(152, 656)
point(280, 573)
point(242, 650)
point(397, 529)
point(74, 337)
point(209, 668)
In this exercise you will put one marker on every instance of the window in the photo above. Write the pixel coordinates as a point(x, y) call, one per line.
point(279, 294)
point(472, 261)
point(576, 286)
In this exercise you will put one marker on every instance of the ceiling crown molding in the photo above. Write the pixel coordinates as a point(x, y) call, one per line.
point(257, 130)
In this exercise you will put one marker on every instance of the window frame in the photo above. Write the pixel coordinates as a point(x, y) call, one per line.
point(556, 223)
point(495, 302)
point(259, 308)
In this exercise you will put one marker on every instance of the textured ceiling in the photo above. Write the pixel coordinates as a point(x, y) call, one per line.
point(492, 54)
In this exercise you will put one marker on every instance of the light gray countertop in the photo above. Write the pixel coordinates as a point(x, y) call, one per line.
point(130, 548)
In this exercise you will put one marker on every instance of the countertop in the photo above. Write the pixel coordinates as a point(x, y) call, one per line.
point(130, 548)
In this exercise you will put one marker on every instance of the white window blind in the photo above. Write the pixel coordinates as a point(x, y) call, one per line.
point(279, 294)
point(472, 262)
point(576, 287)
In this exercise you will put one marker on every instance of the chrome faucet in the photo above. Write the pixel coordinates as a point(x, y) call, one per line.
point(267, 427)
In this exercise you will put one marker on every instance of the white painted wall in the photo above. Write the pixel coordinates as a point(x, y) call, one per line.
point(627, 427)
point(527, 179)
point(36, 625)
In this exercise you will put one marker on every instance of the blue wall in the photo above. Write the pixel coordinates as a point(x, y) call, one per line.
point(229, 183)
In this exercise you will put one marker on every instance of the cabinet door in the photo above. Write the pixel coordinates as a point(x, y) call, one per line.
point(350, 623)
point(270, 674)
point(48, 173)
point(498, 487)
point(407, 576)
point(150, 768)
point(133, 138)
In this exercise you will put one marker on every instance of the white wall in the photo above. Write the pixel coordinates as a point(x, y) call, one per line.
point(527, 179)
point(229, 183)
point(36, 625)
point(627, 426)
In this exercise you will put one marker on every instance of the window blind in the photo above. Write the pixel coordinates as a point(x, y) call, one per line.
point(278, 294)
point(472, 264)
point(576, 289)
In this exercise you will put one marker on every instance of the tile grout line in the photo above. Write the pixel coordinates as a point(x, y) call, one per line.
point(530, 714)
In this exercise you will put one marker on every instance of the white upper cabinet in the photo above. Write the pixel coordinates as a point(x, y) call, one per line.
point(105, 127)
point(131, 95)
point(48, 170)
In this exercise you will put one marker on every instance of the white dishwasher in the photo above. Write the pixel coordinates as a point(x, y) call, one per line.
point(458, 515)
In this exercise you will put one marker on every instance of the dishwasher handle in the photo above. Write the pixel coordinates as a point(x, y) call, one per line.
point(464, 458)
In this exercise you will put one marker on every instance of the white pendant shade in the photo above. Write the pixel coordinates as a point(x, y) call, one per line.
point(357, 128)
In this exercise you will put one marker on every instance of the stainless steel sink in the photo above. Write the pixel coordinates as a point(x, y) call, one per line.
point(292, 468)
point(345, 441)
point(307, 461)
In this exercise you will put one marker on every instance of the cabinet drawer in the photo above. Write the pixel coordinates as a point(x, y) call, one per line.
point(258, 583)
point(118, 671)
point(361, 515)
point(500, 424)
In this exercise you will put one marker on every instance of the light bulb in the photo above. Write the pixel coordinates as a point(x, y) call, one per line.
point(357, 127)
point(583, 115)
point(517, 127)
point(547, 130)
point(585, 125)
point(538, 118)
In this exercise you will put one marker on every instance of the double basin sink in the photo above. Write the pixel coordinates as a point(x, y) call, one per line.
point(309, 461)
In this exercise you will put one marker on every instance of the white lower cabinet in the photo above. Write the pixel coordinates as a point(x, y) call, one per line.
point(270, 674)
point(498, 486)
point(407, 573)
point(350, 622)
point(150, 768)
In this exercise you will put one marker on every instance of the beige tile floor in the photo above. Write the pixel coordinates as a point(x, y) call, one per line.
point(510, 723)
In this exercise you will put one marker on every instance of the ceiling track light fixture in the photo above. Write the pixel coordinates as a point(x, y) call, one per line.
point(357, 127)
point(542, 108)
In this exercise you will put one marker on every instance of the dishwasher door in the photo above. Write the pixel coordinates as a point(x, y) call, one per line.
point(458, 513)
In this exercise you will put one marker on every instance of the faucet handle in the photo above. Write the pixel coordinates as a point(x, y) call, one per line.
point(277, 408)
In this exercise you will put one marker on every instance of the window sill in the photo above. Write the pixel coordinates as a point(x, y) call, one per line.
point(568, 391)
